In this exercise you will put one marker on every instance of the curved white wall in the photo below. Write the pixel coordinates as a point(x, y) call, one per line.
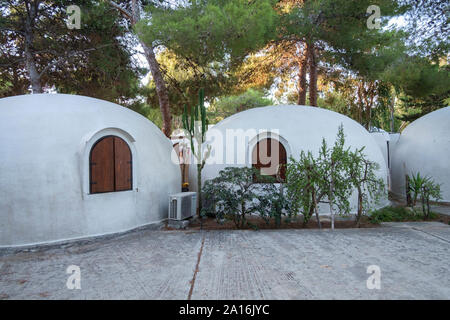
point(382, 139)
point(424, 146)
point(44, 169)
point(297, 127)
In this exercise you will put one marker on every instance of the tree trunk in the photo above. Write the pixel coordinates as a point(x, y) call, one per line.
point(369, 120)
point(161, 89)
point(317, 217)
point(391, 109)
point(359, 213)
point(409, 201)
point(199, 186)
point(302, 77)
point(316, 211)
point(331, 202)
point(423, 207)
point(312, 75)
point(35, 78)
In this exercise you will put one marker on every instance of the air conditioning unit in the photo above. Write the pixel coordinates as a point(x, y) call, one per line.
point(182, 205)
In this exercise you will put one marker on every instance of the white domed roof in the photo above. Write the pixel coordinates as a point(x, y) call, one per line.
point(44, 163)
point(302, 126)
point(424, 146)
point(296, 127)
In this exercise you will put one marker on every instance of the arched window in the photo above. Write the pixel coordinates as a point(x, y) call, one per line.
point(268, 156)
point(110, 165)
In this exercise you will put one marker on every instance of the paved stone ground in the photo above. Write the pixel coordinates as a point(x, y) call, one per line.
point(277, 264)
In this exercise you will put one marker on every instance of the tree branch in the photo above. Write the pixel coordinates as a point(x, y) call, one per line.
point(68, 56)
point(125, 12)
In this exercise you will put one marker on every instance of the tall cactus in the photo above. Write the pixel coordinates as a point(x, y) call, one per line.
point(196, 125)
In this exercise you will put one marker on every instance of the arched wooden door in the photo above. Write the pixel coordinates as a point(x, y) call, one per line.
point(268, 156)
point(110, 165)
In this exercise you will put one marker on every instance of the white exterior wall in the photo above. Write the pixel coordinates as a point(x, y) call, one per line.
point(424, 146)
point(297, 127)
point(45, 142)
point(382, 139)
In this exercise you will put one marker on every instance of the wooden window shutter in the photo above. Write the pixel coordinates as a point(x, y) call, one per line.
point(102, 166)
point(264, 160)
point(110, 166)
point(122, 161)
point(282, 161)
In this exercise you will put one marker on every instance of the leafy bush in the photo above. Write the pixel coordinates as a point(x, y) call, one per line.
point(234, 194)
point(396, 214)
point(426, 189)
point(274, 205)
point(330, 178)
point(302, 185)
point(362, 176)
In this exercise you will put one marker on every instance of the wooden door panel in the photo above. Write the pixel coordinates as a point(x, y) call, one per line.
point(122, 160)
point(267, 155)
point(282, 161)
point(102, 166)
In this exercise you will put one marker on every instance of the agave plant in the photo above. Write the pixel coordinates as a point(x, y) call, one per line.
point(425, 188)
point(416, 183)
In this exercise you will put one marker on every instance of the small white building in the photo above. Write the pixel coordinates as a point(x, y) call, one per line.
point(74, 167)
point(424, 146)
point(288, 129)
point(386, 142)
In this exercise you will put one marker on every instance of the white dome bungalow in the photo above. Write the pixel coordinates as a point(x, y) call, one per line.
point(424, 146)
point(74, 167)
point(289, 129)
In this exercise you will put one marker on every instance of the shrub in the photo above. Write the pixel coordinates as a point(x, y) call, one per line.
point(234, 194)
point(426, 189)
point(362, 176)
point(302, 186)
point(396, 214)
point(274, 205)
point(330, 177)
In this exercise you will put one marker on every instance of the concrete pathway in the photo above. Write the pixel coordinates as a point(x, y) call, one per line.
point(277, 264)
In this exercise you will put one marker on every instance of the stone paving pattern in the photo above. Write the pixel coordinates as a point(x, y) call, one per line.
point(274, 264)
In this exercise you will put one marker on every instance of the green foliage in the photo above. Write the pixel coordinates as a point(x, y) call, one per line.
point(396, 214)
point(426, 189)
point(427, 25)
point(275, 204)
point(362, 176)
point(226, 106)
point(93, 60)
point(312, 180)
point(152, 114)
point(208, 31)
point(204, 42)
point(418, 77)
point(338, 29)
point(184, 79)
point(422, 86)
point(334, 164)
point(196, 125)
point(233, 195)
point(330, 177)
point(303, 184)
point(412, 108)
